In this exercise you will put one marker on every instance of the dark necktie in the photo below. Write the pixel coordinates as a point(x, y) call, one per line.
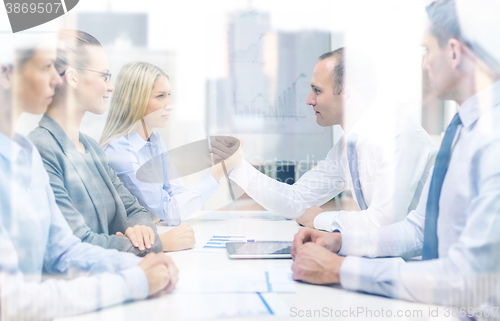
point(352, 158)
point(430, 248)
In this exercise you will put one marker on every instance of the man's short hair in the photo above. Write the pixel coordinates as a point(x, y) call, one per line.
point(338, 70)
point(444, 21)
point(361, 72)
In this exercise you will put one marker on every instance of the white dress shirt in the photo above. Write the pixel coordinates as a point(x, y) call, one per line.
point(126, 156)
point(467, 270)
point(34, 235)
point(394, 162)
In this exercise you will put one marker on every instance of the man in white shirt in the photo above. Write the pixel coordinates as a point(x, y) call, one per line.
point(457, 222)
point(388, 157)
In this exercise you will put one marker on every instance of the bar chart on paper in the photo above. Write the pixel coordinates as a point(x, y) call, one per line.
point(219, 241)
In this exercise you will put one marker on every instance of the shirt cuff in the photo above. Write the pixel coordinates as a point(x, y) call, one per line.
point(243, 174)
point(352, 243)
point(350, 273)
point(129, 260)
point(324, 221)
point(137, 286)
point(377, 276)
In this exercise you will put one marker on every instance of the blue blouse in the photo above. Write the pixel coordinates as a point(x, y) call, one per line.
point(167, 198)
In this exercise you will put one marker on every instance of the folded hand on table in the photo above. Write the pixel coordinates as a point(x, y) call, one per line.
point(141, 236)
point(315, 264)
point(331, 241)
point(179, 238)
point(307, 219)
point(161, 272)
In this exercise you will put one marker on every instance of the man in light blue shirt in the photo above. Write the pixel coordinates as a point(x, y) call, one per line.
point(34, 235)
point(456, 226)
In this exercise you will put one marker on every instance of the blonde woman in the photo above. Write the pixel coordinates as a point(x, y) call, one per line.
point(140, 104)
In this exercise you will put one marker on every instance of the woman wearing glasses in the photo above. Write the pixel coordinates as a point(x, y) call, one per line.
point(97, 206)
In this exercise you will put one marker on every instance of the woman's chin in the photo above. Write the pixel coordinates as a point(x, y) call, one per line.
point(163, 124)
point(37, 110)
point(99, 111)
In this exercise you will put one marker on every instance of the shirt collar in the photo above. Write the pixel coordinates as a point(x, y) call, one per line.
point(480, 103)
point(11, 148)
point(137, 142)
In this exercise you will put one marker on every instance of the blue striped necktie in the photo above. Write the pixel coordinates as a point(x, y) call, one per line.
point(430, 248)
point(352, 158)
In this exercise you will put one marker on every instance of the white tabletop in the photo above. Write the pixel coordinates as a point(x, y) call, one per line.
point(306, 299)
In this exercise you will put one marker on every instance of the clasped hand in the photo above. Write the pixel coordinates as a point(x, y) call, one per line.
point(314, 256)
point(161, 272)
point(228, 149)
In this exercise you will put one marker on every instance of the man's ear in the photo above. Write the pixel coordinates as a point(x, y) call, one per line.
point(456, 52)
point(6, 77)
point(71, 77)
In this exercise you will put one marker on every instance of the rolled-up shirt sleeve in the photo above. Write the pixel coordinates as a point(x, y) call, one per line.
point(315, 187)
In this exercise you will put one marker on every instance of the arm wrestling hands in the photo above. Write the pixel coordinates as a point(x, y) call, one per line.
point(314, 256)
point(228, 149)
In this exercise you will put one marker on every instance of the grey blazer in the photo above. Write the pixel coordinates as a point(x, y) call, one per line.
point(77, 195)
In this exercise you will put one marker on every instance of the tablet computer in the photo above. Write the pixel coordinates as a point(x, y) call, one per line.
point(259, 250)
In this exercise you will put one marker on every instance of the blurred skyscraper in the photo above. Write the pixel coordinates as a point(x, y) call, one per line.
point(268, 80)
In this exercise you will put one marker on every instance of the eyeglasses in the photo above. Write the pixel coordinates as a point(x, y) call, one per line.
point(106, 75)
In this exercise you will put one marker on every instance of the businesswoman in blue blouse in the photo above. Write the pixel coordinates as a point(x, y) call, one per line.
point(97, 206)
point(140, 104)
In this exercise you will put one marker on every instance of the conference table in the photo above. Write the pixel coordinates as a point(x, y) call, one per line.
point(306, 301)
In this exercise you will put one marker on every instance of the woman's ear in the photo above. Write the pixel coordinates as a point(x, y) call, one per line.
point(70, 76)
point(6, 77)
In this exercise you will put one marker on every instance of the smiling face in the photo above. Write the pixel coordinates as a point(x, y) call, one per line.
point(159, 104)
point(437, 64)
point(35, 82)
point(328, 107)
point(93, 88)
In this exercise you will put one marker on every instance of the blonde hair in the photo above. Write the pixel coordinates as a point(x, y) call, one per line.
point(133, 88)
